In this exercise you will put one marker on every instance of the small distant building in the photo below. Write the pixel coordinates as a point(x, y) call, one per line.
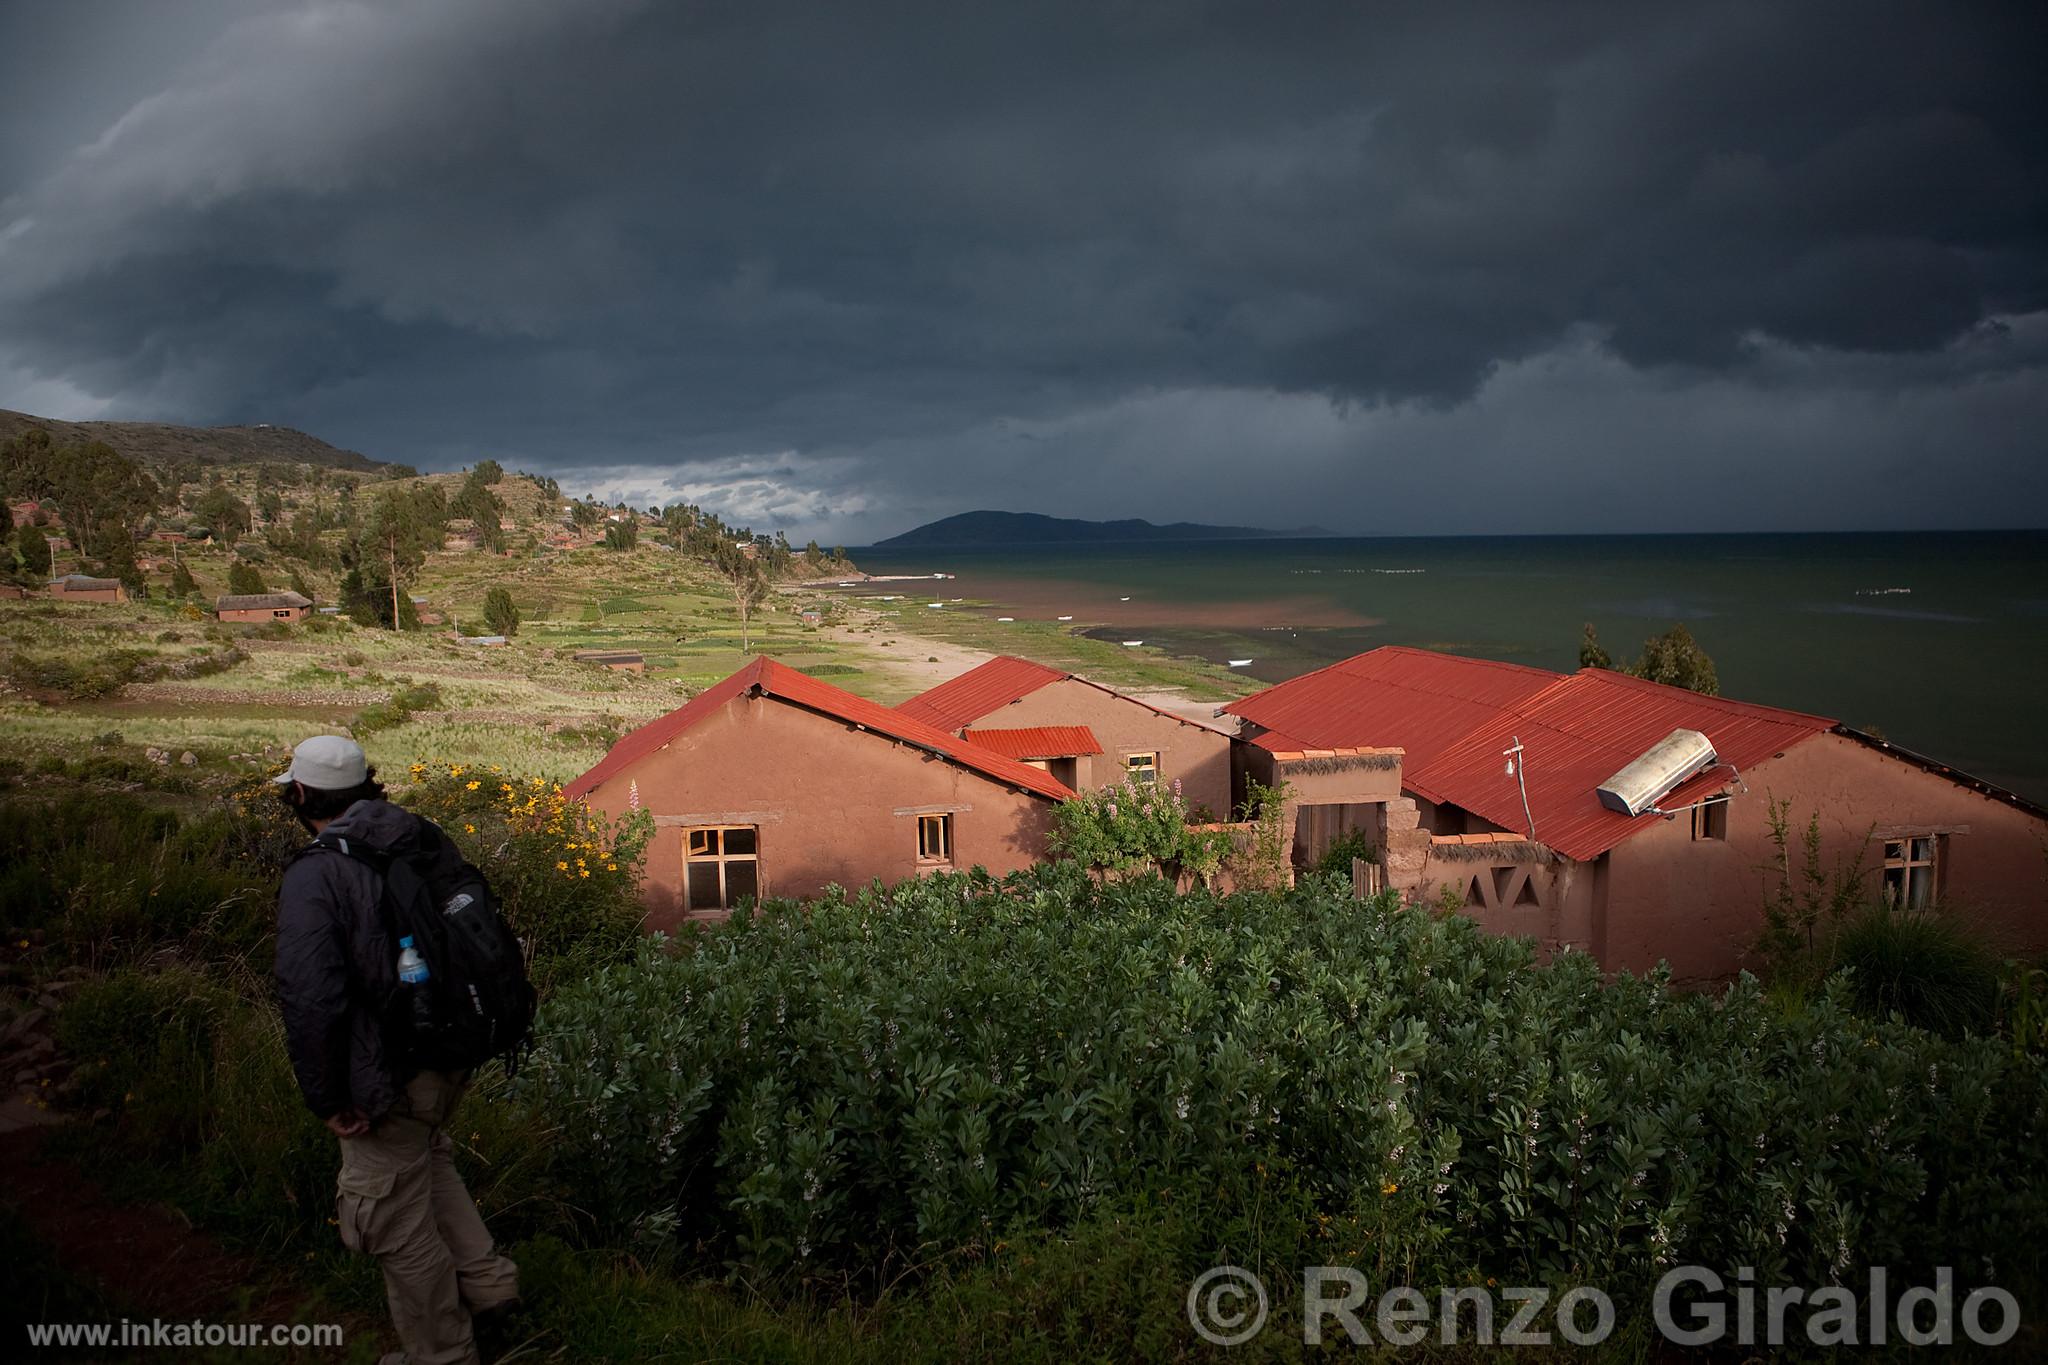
point(59, 545)
point(618, 660)
point(77, 587)
point(168, 537)
point(22, 513)
point(263, 606)
point(11, 593)
point(485, 640)
point(812, 617)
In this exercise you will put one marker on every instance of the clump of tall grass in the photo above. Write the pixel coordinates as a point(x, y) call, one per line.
point(1928, 969)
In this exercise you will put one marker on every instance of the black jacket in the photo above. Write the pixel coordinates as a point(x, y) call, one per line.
point(337, 964)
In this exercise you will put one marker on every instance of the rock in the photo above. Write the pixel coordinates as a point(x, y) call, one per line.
point(47, 1001)
point(42, 1047)
point(60, 987)
point(189, 759)
point(24, 1024)
point(24, 1079)
point(102, 1115)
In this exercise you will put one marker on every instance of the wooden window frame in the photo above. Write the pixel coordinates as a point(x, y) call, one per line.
point(722, 860)
point(1901, 857)
point(1151, 766)
point(942, 824)
point(1710, 820)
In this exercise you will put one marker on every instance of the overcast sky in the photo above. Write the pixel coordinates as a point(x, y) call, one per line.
point(839, 268)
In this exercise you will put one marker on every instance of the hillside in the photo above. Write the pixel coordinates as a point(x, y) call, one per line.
point(1032, 528)
point(158, 443)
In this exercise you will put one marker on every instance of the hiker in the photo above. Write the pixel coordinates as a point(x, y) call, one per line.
point(399, 1196)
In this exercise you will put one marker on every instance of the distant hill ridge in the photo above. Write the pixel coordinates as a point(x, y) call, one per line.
point(1033, 528)
point(158, 443)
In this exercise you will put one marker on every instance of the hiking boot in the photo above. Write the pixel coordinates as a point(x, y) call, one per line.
point(493, 1329)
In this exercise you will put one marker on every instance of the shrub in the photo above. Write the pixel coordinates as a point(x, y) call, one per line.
point(397, 709)
point(1351, 844)
point(568, 877)
point(1926, 968)
point(964, 1061)
point(1135, 826)
point(119, 877)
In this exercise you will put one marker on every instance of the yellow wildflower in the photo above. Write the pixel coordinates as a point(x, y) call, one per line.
point(469, 829)
point(1390, 1188)
point(561, 866)
point(474, 784)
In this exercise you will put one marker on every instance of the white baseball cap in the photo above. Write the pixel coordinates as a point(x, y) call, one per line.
point(331, 763)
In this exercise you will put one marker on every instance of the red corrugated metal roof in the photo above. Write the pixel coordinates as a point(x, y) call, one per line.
point(1454, 716)
point(780, 681)
point(1037, 741)
point(1582, 730)
point(988, 688)
point(1394, 696)
point(961, 701)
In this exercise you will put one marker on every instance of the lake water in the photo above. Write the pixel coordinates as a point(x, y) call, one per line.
point(1939, 641)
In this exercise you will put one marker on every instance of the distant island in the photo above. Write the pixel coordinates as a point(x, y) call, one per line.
point(1032, 528)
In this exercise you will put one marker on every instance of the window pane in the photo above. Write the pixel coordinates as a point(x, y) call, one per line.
point(1922, 892)
point(1894, 884)
point(741, 841)
point(703, 843)
point(703, 883)
point(1923, 850)
point(741, 879)
point(1894, 849)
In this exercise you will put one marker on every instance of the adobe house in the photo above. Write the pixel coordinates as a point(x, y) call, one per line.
point(1538, 849)
point(773, 783)
point(1123, 735)
point(263, 606)
point(77, 587)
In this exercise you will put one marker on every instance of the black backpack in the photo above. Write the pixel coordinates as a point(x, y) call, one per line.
point(478, 1003)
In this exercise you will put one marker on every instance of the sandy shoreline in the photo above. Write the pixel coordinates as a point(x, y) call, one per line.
point(916, 663)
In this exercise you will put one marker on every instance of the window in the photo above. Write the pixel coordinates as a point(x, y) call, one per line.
point(1710, 820)
point(935, 838)
point(1142, 768)
point(285, 612)
point(1911, 871)
point(721, 865)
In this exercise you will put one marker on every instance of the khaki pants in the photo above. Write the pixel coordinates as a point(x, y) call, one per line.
point(401, 1201)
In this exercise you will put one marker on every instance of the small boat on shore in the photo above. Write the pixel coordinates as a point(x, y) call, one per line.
point(1240, 663)
point(1066, 618)
point(1006, 618)
point(935, 604)
point(1132, 644)
point(1123, 599)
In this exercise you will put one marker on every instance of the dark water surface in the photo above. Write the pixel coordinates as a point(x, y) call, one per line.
point(1954, 667)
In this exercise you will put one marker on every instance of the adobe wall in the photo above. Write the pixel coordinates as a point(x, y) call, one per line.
point(264, 615)
point(1197, 755)
point(1513, 887)
point(833, 804)
point(1700, 903)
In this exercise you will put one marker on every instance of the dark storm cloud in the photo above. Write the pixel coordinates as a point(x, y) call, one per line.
point(845, 265)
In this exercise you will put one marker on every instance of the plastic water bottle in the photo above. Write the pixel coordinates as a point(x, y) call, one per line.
point(413, 973)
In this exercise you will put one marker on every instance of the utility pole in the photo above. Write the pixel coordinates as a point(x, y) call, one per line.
point(1515, 765)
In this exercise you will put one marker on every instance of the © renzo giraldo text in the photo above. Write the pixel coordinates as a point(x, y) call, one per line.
point(1691, 1306)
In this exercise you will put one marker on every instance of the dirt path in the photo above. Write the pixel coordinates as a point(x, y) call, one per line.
point(147, 1260)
